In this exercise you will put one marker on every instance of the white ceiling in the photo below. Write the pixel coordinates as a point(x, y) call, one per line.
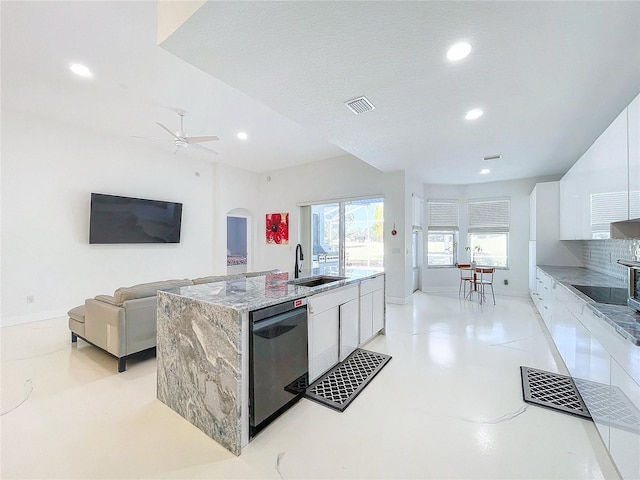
point(550, 77)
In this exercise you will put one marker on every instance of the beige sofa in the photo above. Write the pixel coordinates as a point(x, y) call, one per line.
point(124, 324)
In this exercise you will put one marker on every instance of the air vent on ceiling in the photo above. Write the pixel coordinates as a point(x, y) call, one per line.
point(360, 105)
point(492, 157)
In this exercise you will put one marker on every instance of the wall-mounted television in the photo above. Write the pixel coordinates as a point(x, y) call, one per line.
point(116, 219)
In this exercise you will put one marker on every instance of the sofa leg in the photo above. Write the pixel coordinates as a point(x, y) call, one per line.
point(122, 364)
point(74, 338)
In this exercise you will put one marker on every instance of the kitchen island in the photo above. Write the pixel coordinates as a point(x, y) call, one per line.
point(203, 341)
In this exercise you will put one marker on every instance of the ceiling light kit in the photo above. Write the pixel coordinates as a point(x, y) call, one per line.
point(242, 135)
point(81, 70)
point(458, 51)
point(474, 114)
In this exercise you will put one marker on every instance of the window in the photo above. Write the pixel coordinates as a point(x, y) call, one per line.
point(346, 234)
point(442, 234)
point(489, 232)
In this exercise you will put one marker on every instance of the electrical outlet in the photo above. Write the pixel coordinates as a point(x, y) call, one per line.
point(31, 299)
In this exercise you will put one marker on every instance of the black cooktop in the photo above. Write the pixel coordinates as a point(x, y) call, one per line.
point(610, 295)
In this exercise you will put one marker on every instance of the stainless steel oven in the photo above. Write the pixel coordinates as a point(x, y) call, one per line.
point(278, 361)
point(634, 282)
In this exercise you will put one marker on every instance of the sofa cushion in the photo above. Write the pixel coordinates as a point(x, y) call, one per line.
point(77, 313)
point(146, 289)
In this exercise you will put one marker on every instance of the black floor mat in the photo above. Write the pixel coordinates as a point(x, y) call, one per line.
point(341, 385)
point(552, 390)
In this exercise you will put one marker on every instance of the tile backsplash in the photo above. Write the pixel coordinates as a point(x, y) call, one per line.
point(602, 255)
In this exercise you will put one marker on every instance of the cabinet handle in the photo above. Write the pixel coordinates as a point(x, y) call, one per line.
point(310, 308)
point(546, 308)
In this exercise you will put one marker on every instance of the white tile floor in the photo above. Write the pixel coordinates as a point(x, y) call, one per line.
point(449, 405)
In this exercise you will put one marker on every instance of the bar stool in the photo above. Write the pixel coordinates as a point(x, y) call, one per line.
point(466, 275)
point(483, 276)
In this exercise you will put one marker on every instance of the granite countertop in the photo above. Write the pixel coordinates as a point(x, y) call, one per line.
point(625, 320)
point(253, 293)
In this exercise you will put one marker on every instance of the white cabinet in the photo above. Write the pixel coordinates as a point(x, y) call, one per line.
point(634, 157)
point(596, 190)
point(545, 247)
point(349, 328)
point(624, 437)
point(324, 326)
point(371, 307)
point(605, 365)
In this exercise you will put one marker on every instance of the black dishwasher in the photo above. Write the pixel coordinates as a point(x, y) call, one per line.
point(278, 361)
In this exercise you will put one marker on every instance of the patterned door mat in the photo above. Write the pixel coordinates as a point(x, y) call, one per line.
point(341, 385)
point(552, 390)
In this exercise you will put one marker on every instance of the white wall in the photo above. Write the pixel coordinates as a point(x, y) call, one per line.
point(48, 173)
point(447, 279)
point(337, 178)
point(234, 189)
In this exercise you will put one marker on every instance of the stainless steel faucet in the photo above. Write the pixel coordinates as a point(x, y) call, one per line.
point(299, 256)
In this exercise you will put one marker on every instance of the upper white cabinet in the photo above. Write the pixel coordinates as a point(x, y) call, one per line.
point(634, 158)
point(545, 247)
point(598, 189)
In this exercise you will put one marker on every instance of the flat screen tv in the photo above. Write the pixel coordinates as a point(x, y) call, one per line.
point(133, 220)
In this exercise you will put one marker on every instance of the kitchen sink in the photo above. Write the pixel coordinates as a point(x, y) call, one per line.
point(315, 281)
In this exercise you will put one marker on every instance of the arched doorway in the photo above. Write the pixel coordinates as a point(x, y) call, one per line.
point(238, 241)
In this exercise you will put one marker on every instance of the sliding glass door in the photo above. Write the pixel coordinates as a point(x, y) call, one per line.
point(347, 234)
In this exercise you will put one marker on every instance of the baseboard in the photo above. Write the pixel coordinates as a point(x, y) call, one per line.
point(400, 300)
point(502, 293)
point(12, 320)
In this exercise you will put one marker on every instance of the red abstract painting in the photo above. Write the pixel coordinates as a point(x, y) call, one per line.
point(278, 228)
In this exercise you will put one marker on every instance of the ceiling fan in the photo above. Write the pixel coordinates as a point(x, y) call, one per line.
point(182, 140)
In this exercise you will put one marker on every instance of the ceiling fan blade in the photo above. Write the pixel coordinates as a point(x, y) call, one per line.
point(202, 147)
point(151, 138)
point(170, 132)
point(210, 138)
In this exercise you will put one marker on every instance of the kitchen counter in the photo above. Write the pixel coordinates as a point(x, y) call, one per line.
point(202, 340)
point(625, 320)
point(253, 293)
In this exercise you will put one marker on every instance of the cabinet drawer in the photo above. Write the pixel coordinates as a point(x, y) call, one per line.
point(324, 301)
point(368, 285)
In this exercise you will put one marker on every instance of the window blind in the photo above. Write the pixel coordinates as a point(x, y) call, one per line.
point(489, 215)
point(442, 215)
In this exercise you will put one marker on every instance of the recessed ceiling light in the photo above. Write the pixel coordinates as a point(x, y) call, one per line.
point(458, 51)
point(81, 70)
point(473, 114)
point(243, 135)
point(485, 171)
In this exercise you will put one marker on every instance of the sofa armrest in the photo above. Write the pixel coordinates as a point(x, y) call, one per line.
point(105, 326)
point(106, 298)
point(141, 323)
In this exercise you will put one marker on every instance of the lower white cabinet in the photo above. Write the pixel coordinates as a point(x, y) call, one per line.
point(324, 315)
point(593, 351)
point(349, 326)
point(371, 307)
point(624, 437)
